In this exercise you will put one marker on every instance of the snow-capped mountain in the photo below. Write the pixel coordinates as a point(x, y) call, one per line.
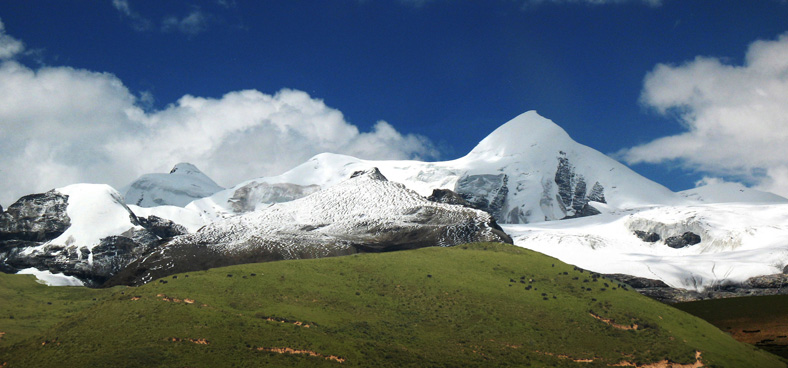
point(183, 184)
point(365, 213)
point(527, 170)
point(82, 230)
point(526, 173)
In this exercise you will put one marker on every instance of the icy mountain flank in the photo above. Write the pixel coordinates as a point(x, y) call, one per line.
point(527, 170)
point(366, 213)
point(735, 242)
point(183, 184)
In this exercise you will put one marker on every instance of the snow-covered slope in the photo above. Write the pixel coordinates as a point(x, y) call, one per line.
point(183, 184)
point(730, 193)
point(527, 170)
point(737, 241)
point(82, 230)
point(361, 214)
point(96, 212)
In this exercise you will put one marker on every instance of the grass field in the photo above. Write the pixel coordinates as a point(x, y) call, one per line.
point(474, 305)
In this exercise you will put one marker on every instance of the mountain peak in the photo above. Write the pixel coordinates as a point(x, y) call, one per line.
point(528, 129)
point(372, 174)
point(185, 168)
point(184, 183)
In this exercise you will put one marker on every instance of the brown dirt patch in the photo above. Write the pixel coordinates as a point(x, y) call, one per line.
point(176, 300)
point(610, 322)
point(567, 357)
point(1, 335)
point(665, 363)
point(300, 351)
point(283, 320)
point(195, 341)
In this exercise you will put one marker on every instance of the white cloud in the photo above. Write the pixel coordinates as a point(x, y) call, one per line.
point(193, 23)
point(62, 125)
point(9, 46)
point(736, 116)
point(138, 22)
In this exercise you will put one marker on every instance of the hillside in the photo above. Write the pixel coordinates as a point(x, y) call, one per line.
point(761, 320)
point(475, 305)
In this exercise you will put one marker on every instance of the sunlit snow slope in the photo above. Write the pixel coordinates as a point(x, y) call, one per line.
point(738, 241)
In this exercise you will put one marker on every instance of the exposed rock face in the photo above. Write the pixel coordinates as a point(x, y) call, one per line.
point(686, 239)
point(776, 284)
point(31, 228)
point(247, 197)
point(162, 228)
point(366, 213)
point(448, 196)
point(647, 236)
point(573, 195)
point(676, 235)
point(485, 192)
point(35, 217)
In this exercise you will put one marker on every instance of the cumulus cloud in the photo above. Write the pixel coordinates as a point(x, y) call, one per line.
point(9, 46)
point(191, 24)
point(735, 116)
point(62, 125)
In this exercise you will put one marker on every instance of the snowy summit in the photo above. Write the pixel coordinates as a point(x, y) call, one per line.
point(183, 184)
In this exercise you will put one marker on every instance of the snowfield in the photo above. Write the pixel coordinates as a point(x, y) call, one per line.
point(738, 241)
point(51, 279)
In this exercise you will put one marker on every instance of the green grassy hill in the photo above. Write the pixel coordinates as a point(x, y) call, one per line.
point(476, 305)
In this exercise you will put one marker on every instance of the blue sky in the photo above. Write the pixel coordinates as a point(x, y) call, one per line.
point(442, 75)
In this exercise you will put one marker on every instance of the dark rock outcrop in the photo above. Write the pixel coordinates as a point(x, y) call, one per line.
point(449, 197)
point(162, 228)
point(573, 195)
point(36, 217)
point(686, 239)
point(776, 284)
point(30, 224)
point(647, 237)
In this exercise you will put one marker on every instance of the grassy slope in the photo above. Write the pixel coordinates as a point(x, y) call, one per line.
point(757, 320)
point(429, 307)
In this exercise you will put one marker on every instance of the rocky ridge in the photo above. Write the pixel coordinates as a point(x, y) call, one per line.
point(366, 213)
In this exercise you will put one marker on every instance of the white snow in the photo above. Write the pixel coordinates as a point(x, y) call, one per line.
point(51, 279)
point(730, 193)
point(183, 184)
point(738, 241)
point(358, 207)
point(96, 211)
point(526, 149)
